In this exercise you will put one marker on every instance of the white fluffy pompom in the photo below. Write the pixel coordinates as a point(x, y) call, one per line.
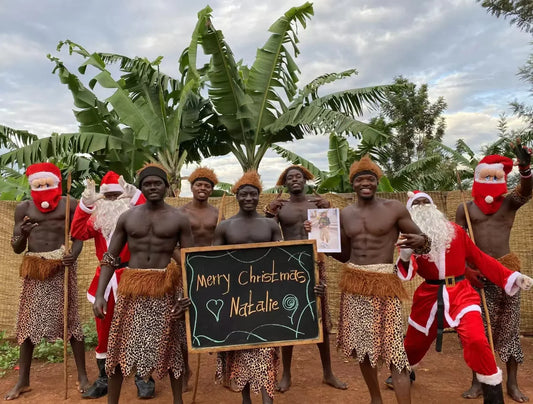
point(489, 199)
point(410, 194)
point(45, 205)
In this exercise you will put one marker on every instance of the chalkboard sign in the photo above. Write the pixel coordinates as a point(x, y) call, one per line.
point(251, 295)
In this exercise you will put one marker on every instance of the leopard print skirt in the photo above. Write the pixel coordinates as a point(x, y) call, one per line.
point(504, 312)
point(257, 367)
point(41, 305)
point(371, 326)
point(144, 339)
point(324, 306)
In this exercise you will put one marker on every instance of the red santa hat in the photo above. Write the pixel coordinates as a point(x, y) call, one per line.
point(110, 183)
point(414, 195)
point(43, 170)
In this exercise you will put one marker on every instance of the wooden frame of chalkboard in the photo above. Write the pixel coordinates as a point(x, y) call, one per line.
point(251, 295)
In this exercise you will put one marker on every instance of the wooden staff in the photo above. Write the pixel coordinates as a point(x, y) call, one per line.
point(482, 290)
point(195, 388)
point(65, 285)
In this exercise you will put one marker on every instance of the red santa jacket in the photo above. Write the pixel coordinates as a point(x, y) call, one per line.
point(82, 228)
point(461, 298)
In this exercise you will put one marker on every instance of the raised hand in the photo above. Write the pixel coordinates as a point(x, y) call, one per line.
point(523, 154)
point(272, 209)
point(320, 202)
point(129, 189)
point(89, 195)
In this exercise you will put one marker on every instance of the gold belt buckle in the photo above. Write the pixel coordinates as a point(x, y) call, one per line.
point(449, 281)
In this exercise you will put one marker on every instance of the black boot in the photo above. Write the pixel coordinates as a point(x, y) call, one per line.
point(492, 394)
point(99, 387)
point(145, 389)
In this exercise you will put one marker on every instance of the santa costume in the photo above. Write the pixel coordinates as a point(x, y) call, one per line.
point(87, 224)
point(446, 299)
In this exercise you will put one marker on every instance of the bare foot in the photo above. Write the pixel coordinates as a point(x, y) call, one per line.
point(16, 391)
point(284, 384)
point(83, 385)
point(515, 393)
point(334, 382)
point(473, 392)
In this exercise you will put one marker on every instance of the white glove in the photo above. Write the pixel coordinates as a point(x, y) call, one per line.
point(524, 282)
point(405, 254)
point(89, 196)
point(129, 189)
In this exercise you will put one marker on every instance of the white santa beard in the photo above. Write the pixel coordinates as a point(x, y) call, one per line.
point(436, 226)
point(106, 214)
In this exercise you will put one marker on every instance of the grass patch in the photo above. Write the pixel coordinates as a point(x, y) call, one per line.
point(46, 351)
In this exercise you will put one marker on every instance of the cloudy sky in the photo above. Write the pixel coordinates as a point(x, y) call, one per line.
point(464, 54)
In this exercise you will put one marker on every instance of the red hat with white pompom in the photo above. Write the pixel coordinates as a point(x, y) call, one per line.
point(414, 195)
point(110, 183)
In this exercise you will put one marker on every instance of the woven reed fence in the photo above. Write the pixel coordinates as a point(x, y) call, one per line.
point(521, 242)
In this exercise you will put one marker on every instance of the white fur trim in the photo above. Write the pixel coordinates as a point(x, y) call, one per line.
point(135, 198)
point(42, 174)
point(489, 199)
point(510, 287)
point(492, 380)
point(417, 196)
point(102, 355)
point(410, 270)
point(113, 284)
point(90, 298)
point(110, 188)
point(85, 208)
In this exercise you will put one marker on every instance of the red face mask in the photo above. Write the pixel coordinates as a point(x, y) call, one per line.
point(490, 186)
point(46, 200)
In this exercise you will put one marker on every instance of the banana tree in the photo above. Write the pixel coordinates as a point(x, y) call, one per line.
point(149, 117)
point(261, 105)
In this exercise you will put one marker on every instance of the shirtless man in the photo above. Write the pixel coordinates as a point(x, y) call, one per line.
point(248, 226)
point(40, 227)
point(203, 218)
point(492, 214)
point(370, 321)
point(144, 333)
point(291, 215)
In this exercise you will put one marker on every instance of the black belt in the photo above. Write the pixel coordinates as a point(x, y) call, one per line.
point(448, 281)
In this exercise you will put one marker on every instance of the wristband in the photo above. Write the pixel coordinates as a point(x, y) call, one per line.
point(16, 239)
point(108, 259)
point(268, 212)
point(426, 248)
point(525, 173)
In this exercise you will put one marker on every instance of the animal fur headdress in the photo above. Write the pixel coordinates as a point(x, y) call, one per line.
point(249, 178)
point(203, 173)
point(365, 165)
point(306, 173)
point(152, 169)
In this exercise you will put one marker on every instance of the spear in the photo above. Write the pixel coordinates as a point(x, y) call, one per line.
point(195, 388)
point(482, 291)
point(65, 285)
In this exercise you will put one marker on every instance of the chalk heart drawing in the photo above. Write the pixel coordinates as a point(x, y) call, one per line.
point(214, 306)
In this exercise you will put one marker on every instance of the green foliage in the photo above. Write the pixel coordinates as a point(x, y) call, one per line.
point(44, 350)
point(9, 354)
point(261, 105)
point(519, 11)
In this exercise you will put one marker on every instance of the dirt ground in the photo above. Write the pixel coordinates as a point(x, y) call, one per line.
point(440, 378)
